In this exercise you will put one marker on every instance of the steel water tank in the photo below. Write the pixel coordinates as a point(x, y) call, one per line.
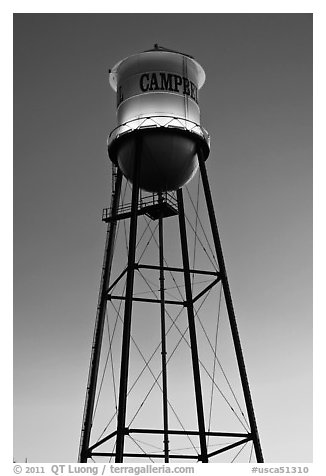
point(157, 99)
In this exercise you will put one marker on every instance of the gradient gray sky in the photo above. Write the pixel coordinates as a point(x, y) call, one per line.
point(257, 106)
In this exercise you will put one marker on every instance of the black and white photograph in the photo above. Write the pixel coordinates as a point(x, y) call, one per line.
point(162, 265)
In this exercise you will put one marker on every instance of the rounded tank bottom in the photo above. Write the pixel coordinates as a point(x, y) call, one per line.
point(168, 158)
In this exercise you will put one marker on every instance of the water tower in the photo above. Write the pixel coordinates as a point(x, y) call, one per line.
point(156, 150)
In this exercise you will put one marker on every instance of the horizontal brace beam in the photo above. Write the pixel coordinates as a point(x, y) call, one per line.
point(178, 270)
point(111, 297)
point(123, 298)
point(229, 447)
point(185, 432)
point(246, 436)
point(148, 455)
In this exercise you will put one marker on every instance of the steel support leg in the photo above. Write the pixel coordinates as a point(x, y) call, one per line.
point(163, 340)
point(230, 309)
point(99, 326)
point(128, 308)
point(192, 330)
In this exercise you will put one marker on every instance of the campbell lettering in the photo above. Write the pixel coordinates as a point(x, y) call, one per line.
point(168, 82)
point(186, 89)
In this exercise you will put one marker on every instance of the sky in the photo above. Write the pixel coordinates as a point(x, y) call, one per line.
point(257, 106)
